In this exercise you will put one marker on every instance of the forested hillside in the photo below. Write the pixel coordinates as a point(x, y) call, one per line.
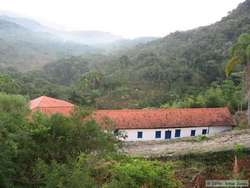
point(183, 69)
point(181, 61)
point(185, 66)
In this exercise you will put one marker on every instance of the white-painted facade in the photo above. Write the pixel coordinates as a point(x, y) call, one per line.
point(150, 134)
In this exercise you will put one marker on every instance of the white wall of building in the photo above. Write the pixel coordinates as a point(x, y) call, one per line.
point(149, 134)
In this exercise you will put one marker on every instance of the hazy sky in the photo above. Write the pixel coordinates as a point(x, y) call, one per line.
point(128, 18)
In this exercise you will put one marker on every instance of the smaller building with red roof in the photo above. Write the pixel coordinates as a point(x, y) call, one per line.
point(49, 106)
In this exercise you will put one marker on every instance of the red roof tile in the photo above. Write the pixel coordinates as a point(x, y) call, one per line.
point(165, 118)
point(51, 106)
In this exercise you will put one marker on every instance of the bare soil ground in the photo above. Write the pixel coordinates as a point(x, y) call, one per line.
point(156, 149)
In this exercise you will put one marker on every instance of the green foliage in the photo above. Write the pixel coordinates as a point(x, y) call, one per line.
point(8, 85)
point(240, 53)
point(13, 104)
point(75, 174)
point(201, 138)
point(242, 125)
point(89, 171)
point(240, 151)
point(228, 94)
point(60, 137)
point(57, 151)
point(66, 71)
point(25, 140)
point(136, 173)
point(13, 111)
point(215, 98)
point(88, 88)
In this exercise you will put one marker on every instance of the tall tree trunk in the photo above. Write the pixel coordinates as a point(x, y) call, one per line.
point(236, 170)
point(248, 91)
point(248, 110)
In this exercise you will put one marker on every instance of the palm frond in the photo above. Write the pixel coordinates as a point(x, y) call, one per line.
point(231, 64)
point(248, 53)
point(244, 38)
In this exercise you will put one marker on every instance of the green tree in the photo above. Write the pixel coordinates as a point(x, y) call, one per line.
point(88, 88)
point(239, 153)
point(240, 54)
point(13, 112)
point(137, 173)
point(76, 173)
point(8, 84)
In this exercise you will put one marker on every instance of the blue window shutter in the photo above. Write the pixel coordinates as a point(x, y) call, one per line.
point(168, 134)
point(177, 133)
point(157, 134)
point(204, 131)
point(192, 132)
point(139, 134)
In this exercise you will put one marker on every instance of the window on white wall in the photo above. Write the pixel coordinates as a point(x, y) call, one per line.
point(192, 133)
point(139, 134)
point(204, 131)
point(116, 132)
point(168, 134)
point(177, 133)
point(157, 134)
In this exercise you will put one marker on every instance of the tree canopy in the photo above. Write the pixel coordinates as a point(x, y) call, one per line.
point(55, 151)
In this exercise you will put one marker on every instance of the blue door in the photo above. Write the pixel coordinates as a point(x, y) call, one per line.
point(167, 134)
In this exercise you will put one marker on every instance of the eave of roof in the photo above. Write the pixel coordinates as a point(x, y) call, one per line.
point(48, 102)
point(49, 106)
point(165, 118)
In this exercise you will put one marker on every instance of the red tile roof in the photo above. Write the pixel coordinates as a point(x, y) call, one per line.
point(165, 118)
point(51, 106)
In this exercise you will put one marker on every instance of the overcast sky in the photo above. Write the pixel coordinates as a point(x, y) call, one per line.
point(128, 18)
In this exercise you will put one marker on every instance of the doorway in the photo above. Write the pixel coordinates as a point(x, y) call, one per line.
point(167, 134)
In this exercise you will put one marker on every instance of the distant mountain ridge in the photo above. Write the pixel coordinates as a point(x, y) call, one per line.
point(88, 37)
point(25, 22)
point(27, 44)
point(24, 49)
point(83, 37)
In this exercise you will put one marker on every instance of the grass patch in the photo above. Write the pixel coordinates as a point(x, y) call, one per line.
point(200, 138)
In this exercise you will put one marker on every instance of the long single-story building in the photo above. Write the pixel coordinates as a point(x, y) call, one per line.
point(161, 124)
point(149, 124)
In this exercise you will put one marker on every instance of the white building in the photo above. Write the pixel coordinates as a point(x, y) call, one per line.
point(165, 124)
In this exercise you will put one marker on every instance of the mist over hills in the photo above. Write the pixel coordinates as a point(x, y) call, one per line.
point(24, 22)
point(26, 49)
point(26, 44)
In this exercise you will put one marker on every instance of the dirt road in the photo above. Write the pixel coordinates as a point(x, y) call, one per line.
point(224, 141)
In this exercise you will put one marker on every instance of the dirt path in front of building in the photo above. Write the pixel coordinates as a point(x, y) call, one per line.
point(156, 149)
